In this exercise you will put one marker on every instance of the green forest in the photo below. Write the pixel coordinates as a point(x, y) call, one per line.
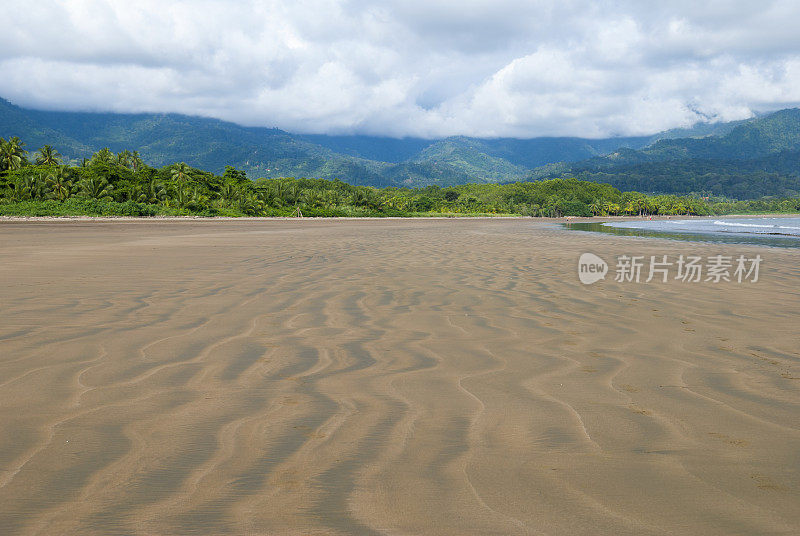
point(756, 158)
point(121, 184)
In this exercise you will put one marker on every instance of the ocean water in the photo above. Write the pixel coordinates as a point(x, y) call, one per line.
point(789, 226)
point(762, 230)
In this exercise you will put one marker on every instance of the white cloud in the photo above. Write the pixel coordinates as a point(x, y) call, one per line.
point(409, 67)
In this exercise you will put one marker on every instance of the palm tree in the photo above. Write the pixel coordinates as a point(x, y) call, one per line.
point(152, 193)
point(228, 193)
point(180, 173)
point(265, 195)
point(47, 156)
point(249, 203)
point(12, 154)
point(199, 199)
point(136, 161)
point(96, 188)
point(125, 158)
point(103, 156)
point(629, 208)
point(135, 193)
point(278, 191)
point(641, 205)
point(27, 187)
point(291, 194)
point(359, 198)
point(312, 198)
point(184, 196)
point(333, 198)
point(596, 208)
point(60, 184)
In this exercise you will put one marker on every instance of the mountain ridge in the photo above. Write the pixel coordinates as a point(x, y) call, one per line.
point(754, 158)
point(270, 152)
point(632, 162)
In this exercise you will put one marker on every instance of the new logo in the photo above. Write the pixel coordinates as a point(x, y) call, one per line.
point(591, 268)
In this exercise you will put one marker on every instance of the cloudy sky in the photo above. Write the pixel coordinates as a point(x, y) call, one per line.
point(426, 68)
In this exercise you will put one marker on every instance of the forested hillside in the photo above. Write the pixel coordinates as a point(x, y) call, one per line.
point(755, 158)
point(744, 160)
point(211, 144)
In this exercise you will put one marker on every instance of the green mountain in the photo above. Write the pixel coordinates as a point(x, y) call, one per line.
point(750, 139)
point(526, 153)
point(204, 143)
point(471, 158)
point(15, 121)
point(743, 159)
point(748, 159)
point(211, 144)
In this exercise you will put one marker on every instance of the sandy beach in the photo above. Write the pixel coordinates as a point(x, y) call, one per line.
point(388, 377)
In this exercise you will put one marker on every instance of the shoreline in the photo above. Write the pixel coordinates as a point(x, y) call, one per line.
point(563, 219)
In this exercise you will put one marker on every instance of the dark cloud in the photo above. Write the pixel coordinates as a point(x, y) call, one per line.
point(413, 67)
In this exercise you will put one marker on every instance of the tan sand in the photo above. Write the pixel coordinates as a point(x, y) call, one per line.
point(388, 377)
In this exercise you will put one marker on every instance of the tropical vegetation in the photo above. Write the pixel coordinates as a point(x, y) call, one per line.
point(122, 183)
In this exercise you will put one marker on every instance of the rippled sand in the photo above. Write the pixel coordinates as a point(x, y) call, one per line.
point(387, 377)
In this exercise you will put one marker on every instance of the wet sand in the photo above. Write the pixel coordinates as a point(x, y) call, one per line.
point(388, 377)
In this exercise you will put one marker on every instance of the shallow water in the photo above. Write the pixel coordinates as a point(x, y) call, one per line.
point(766, 231)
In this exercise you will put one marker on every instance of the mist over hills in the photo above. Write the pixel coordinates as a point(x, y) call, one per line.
point(210, 144)
point(743, 159)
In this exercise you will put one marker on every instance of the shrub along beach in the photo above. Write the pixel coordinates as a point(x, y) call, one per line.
point(108, 184)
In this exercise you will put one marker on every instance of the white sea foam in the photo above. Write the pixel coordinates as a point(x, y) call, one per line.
point(764, 228)
point(734, 224)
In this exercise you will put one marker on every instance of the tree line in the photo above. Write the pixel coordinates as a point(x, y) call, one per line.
point(41, 183)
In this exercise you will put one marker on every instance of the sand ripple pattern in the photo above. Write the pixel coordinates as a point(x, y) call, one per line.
point(387, 377)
